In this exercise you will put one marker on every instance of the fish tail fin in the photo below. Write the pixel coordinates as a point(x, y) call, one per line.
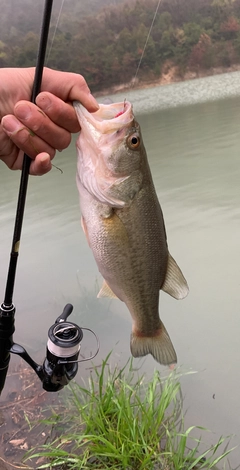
point(159, 346)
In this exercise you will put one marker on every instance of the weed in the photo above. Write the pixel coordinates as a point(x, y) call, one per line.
point(120, 422)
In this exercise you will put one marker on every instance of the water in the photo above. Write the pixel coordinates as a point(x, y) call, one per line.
point(193, 152)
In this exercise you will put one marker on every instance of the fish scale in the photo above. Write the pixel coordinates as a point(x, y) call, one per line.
point(123, 222)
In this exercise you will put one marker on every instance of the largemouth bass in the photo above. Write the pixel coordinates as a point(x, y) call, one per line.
point(123, 222)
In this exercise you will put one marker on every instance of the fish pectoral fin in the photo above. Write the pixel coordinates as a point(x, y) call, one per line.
point(127, 187)
point(106, 291)
point(175, 283)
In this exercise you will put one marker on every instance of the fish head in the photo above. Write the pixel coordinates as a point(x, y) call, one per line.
point(110, 152)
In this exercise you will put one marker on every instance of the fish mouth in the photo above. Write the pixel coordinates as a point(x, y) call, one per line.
point(107, 119)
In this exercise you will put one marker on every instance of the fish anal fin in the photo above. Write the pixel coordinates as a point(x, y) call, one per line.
point(175, 283)
point(159, 346)
point(106, 291)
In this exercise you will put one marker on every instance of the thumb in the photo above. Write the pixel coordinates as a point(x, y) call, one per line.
point(68, 87)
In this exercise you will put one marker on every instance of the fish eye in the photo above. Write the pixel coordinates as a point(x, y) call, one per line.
point(133, 141)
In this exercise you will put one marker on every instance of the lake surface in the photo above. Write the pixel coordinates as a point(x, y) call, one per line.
point(194, 154)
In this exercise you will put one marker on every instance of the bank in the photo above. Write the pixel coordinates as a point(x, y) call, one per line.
point(170, 74)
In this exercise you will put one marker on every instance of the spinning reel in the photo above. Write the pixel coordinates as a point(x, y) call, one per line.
point(62, 351)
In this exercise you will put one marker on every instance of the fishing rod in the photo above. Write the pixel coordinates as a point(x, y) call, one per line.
point(64, 337)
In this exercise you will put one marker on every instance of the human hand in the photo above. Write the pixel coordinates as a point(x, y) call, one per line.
point(42, 128)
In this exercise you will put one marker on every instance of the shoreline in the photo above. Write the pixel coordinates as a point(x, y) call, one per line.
point(169, 75)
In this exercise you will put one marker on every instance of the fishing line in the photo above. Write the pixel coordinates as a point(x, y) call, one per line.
point(55, 31)
point(48, 251)
point(146, 43)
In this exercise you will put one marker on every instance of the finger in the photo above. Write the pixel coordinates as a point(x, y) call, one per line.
point(41, 165)
point(36, 120)
point(8, 151)
point(24, 138)
point(58, 111)
point(68, 87)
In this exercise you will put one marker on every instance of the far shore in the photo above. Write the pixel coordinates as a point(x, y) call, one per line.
point(169, 75)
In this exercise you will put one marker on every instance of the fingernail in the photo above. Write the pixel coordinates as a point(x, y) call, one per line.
point(45, 160)
point(10, 124)
point(93, 102)
point(43, 101)
point(23, 111)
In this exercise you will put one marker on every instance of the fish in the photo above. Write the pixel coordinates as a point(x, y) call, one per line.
point(123, 223)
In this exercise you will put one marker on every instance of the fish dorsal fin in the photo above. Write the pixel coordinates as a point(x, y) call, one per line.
point(175, 283)
point(105, 291)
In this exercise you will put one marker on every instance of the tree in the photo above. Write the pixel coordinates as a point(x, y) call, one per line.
point(202, 53)
point(192, 32)
point(3, 54)
point(27, 54)
point(230, 27)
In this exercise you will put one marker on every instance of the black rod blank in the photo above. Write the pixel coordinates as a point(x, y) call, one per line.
point(26, 159)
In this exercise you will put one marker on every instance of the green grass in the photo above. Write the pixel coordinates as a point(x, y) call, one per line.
point(120, 422)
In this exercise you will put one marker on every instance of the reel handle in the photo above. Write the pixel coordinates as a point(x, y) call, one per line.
point(65, 314)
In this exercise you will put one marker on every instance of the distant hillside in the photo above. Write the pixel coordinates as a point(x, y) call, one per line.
point(25, 15)
point(105, 39)
point(88, 7)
